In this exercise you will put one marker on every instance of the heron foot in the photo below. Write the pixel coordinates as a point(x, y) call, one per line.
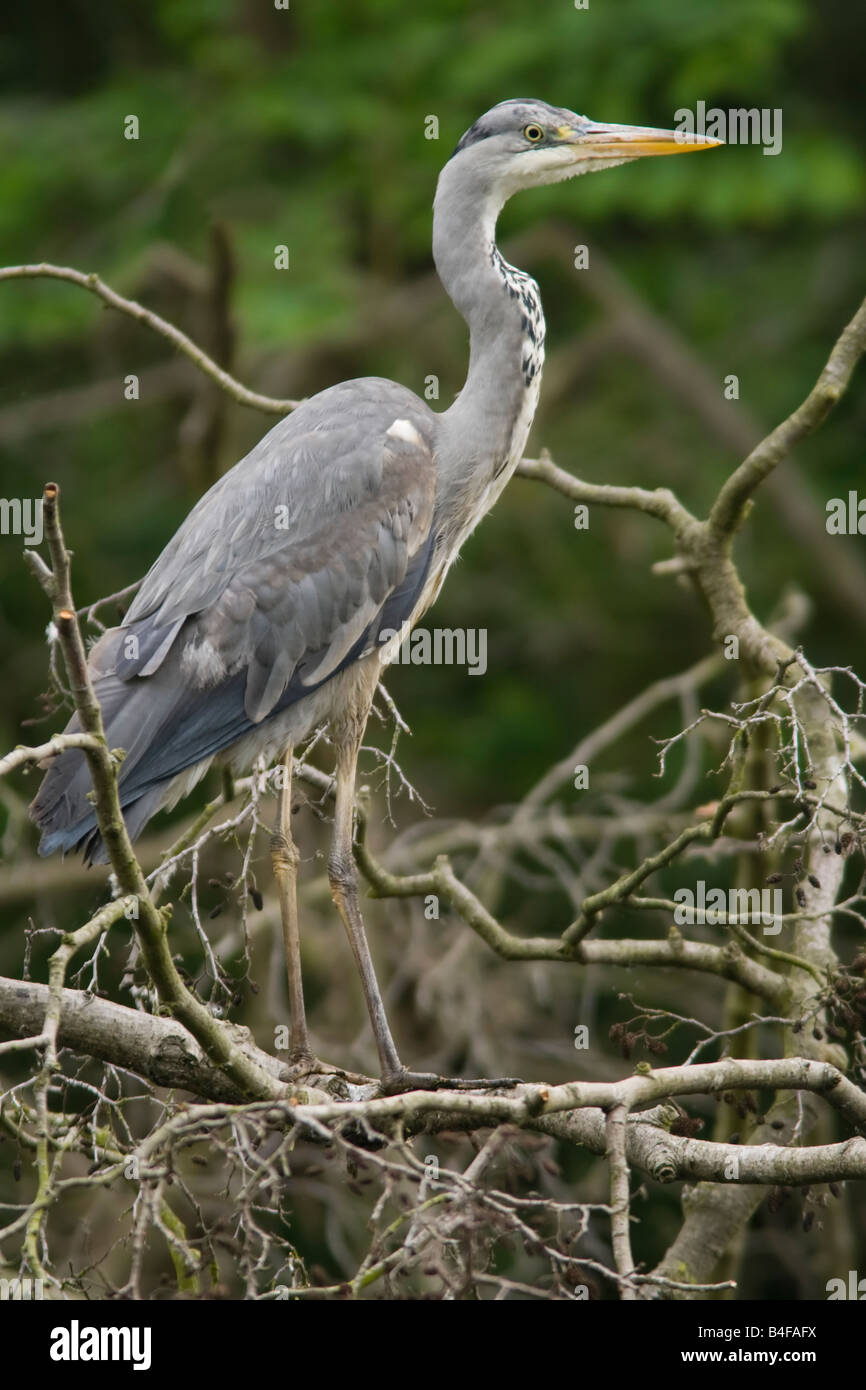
point(395, 1083)
point(301, 1059)
point(303, 1064)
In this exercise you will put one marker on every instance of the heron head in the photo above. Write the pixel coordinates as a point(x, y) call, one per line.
point(522, 144)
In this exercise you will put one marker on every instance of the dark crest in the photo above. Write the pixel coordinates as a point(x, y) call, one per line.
point(506, 116)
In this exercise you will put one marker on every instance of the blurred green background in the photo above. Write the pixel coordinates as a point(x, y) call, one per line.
point(306, 127)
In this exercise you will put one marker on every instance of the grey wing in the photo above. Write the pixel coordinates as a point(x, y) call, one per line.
point(283, 574)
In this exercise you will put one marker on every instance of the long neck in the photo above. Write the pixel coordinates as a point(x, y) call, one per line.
point(484, 431)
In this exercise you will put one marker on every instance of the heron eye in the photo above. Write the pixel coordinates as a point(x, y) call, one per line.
point(533, 133)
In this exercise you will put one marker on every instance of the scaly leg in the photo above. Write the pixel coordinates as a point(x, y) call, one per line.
point(343, 878)
point(284, 856)
point(343, 875)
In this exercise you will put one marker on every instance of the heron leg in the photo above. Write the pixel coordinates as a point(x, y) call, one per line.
point(285, 859)
point(343, 877)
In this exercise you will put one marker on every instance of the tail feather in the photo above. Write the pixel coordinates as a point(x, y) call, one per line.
point(135, 715)
point(84, 834)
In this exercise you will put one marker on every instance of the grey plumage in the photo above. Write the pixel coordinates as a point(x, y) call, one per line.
point(283, 573)
point(262, 617)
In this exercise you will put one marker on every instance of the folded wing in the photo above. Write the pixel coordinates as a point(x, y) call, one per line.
point(283, 574)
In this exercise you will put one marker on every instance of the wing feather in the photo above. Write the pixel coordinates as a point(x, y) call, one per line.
point(281, 575)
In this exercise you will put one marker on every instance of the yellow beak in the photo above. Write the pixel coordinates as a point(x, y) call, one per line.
point(601, 141)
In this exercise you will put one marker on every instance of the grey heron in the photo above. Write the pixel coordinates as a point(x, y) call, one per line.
point(264, 617)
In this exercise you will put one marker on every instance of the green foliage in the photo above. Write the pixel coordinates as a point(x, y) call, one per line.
point(306, 128)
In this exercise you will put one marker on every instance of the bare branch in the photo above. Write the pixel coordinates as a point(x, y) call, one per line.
point(21, 756)
point(831, 385)
point(159, 325)
point(620, 1203)
point(151, 922)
